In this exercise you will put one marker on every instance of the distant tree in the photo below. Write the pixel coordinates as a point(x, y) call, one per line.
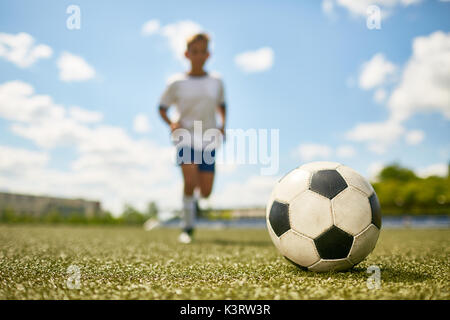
point(131, 215)
point(75, 218)
point(107, 218)
point(52, 216)
point(152, 210)
point(401, 192)
point(396, 172)
point(8, 215)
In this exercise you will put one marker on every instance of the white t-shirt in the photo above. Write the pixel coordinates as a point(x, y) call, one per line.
point(196, 99)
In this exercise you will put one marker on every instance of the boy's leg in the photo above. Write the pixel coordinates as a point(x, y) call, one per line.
point(189, 211)
point(206, 176)
point(190, 175)
point(206, 181)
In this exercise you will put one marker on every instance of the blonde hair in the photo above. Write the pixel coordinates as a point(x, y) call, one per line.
point(197, 37)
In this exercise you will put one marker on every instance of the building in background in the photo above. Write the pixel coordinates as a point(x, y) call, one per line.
point(40, 205)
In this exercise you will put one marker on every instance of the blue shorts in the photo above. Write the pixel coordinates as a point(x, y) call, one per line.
point(205, 159)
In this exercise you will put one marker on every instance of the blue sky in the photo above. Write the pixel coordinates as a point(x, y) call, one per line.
point(318, 88)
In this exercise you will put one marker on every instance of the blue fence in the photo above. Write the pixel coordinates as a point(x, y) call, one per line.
point(388, 222)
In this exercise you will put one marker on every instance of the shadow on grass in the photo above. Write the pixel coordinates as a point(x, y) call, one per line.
point(228, 242)
point(388, 274)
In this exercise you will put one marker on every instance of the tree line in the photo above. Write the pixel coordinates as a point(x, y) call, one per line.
point(129, 216)
point(401, 191)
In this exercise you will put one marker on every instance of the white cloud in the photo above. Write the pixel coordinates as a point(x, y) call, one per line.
point(255, 61)
point(438, 169)
point(141, 124)
point(345, 151)
point(423, 88)
point(17, 160)
point(74, 68)
point(252, 192)
point(177, 35)
point(359, 7)
point(414, 137)
point(425, 82)
point(226, 168)
point(150, 27)
point(378, 148)
point(312, 151)
point(374, 170)
point(85, 116)
point(21, 50)
point(51, 134)
point(378, 135)
point(19, 103)
point(375, 72)
point(40, 119)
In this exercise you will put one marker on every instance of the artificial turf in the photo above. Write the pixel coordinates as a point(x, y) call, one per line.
point(130, 263)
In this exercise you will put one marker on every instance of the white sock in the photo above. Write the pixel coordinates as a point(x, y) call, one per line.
point(188, 211)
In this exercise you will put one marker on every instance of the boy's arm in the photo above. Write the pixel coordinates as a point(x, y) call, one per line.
point(163, 114)
point(222, 113)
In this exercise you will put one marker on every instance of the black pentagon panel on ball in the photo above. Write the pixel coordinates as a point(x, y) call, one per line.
point(279, 218)
point(376, 210)
point(327, 183)
point(334, 243)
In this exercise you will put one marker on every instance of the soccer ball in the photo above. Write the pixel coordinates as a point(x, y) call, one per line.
point(324, 216)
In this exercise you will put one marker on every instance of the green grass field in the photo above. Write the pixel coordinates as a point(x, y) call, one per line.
point(130, 263)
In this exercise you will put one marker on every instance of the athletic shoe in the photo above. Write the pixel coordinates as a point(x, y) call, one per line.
point(185, 238)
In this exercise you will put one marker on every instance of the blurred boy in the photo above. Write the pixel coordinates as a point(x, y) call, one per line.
point(198, 96)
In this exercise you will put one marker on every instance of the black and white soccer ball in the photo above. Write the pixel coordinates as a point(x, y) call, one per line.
point(324, 216)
